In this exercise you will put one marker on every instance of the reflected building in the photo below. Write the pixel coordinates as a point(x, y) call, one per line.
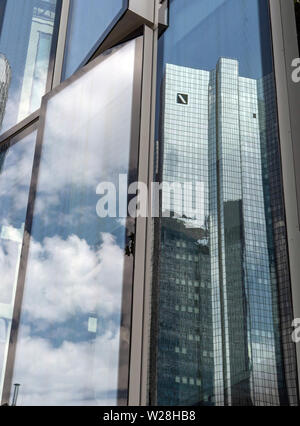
point(185, 346)
point(38, 54)
point(276, 230)
point(185, 343)
point(191, 308)
point(26, 37)
point(243, 296)
point(5, 78)
point(225, 294)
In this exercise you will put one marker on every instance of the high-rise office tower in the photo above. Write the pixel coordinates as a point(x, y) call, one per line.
point(275, 219)
point(246, 296)
point(185, 342)
point(100, 103)
point(221, 310)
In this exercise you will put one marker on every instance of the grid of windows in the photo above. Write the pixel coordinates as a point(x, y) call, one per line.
point(185, 272)
point(219, 138)
point(225, 304)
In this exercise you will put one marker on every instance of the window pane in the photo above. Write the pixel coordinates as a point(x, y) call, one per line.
point(15, 174)
point(88, 21)
point(25, 41)
point(68, 342)
point(225, 310)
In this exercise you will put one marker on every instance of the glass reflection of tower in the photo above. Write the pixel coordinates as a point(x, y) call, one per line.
point(277, 237)
point(38, 53)
point(185, 349)
point(211, 132)
point(5, 78)
point(243, 298)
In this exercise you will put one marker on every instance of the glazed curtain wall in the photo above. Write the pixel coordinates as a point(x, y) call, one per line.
point(68, 336)
point(225, 312)
point(16, 161)
point(88, 24)
point(26, 33)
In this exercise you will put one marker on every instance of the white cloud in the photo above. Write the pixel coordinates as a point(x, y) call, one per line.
point(68, 276)
point(88, 143)
point(58, 361)
point(84, 373)
point(15, 176)
point(9, 254)
point(68, 279)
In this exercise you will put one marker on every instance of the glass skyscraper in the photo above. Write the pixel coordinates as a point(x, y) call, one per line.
point(112, 293)
point(218, 280)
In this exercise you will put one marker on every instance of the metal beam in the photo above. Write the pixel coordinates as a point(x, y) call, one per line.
point(145, 9)
point(62, 36)
point(141, 314)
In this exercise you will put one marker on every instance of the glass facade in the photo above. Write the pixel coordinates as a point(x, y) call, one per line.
point(96, 16)
point(26, 33)
point(70, 320)
point(16, 161)
point(100, 304)
point(224, 309)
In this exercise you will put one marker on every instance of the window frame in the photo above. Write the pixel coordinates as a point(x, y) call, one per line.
point(7, 143)
point(99, 41)
point(50, 75)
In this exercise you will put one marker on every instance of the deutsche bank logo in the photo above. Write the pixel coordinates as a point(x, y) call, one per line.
point(182, 98)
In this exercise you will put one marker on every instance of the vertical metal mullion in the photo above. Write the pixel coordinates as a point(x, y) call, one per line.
point(61, 43)
point(55, 35)
point(9, 366)
point(129, 261)
point(145, 362)
point(140, 332)
point(141, 227)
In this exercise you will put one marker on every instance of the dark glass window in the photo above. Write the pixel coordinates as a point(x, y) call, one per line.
point(25, 43)
point(223, 277)
point(88, 22)
point(15, 173)
point(68, 341)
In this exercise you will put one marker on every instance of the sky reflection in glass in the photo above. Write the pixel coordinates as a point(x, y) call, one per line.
point(68, 346)
point(224, 285)
point(88, 21)
point(25, 43)
point(15, 174)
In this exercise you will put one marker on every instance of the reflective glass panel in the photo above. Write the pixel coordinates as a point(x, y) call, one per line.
point(68, 341)
point(88, 23)
point(225, 312)
point(25, 42)
point(15, 174)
